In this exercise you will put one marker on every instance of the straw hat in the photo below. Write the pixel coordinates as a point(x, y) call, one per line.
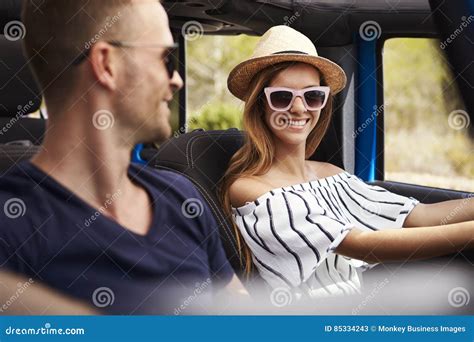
point(282, 44)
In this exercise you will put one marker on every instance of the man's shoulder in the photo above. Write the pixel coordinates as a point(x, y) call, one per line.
point(15, 185)
point(14, 177)
point(21, 195)
point(170, 179)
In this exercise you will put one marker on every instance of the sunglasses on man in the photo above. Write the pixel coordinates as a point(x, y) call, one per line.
point(168, 59)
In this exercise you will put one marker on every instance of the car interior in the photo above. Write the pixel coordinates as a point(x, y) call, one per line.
point(202, 156)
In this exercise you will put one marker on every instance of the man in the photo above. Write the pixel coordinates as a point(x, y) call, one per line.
point(115, 235)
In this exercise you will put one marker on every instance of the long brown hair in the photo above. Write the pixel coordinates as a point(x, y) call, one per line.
point(256, 155)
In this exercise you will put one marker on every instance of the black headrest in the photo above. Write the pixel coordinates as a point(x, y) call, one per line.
point(9, 10)
point(28, 129)
point(19, 94)
point(13, 154)
point(202, 157)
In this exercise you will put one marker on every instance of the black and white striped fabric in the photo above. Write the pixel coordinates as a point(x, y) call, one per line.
point(293, 231)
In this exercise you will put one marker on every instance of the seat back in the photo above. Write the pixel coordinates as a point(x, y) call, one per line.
point(202, 157)
point(19, 96)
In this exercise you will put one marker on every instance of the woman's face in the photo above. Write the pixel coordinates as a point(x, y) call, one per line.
point(294, 125)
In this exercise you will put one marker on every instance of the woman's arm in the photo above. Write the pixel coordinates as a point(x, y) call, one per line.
point(235, 287)
point(442, 213)
point(407, 244)
point(22, 296)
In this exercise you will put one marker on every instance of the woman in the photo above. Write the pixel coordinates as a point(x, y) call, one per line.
point(311, 226)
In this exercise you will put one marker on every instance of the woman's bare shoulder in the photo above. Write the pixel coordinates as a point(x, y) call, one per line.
point(324, 170)
point(247, 189)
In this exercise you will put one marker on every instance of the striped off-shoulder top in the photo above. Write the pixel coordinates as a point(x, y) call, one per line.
point(293, 231)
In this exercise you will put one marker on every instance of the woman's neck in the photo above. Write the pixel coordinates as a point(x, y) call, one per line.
point(291, 160)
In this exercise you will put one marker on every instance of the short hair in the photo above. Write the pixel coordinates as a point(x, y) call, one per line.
point(58, 31)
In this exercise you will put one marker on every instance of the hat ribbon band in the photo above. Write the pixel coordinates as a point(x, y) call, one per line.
point(290, 51)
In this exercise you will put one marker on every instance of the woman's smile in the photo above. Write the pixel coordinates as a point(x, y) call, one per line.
point(298, 124)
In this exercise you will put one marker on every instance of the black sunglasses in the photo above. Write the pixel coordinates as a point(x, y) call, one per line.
point(169, 59)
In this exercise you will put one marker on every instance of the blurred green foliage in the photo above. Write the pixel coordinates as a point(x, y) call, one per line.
point(418, 85)
point(420, 93)
point(217, 115)
point(210, 60)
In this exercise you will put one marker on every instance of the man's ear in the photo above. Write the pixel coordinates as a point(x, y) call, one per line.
point(104, 68)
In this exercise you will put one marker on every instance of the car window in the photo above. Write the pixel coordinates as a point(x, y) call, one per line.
point(426, 126)
point(209, 61)
point(42, 112)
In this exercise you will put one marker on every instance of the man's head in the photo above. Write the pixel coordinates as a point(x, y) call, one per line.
point(131, 82)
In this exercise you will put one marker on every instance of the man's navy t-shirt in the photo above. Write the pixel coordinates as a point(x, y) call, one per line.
point(50, 234)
